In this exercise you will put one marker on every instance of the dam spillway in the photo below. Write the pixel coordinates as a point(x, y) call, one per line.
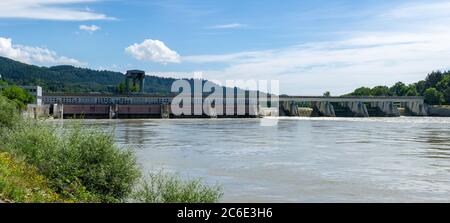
point(159, 106)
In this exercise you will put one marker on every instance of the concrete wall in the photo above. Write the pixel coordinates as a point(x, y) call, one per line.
point(441, 111)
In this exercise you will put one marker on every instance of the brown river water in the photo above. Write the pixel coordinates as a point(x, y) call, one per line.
point(404, 159)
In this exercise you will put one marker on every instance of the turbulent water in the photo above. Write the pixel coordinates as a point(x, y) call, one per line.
point(300, 159)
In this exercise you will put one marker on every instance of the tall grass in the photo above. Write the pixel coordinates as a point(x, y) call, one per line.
point(165, 188)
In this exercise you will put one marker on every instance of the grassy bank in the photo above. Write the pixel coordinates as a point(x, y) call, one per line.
point(43, 163)
point(20, 182)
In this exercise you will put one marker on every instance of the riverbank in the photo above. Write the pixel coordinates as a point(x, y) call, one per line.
point(44, 163)
point(21, 183)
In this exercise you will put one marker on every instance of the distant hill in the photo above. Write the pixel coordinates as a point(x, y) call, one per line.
point(72, 79)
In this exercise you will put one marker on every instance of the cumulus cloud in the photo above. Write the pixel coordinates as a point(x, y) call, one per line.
point(48, 10)
point(91, 28)
point(153, 50)
point(33, 55)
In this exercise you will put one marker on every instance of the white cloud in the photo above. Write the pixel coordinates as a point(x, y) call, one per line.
point(33, 55)
point(421, 10)
point(48, 10)
point(361, 58)
point(91, 28)
point(227, 26)
point(153, 50)
point(368, 59)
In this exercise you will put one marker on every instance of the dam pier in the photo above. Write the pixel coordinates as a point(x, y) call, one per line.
point(354, 106)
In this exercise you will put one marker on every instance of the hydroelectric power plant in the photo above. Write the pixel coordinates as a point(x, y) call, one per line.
point(138, 104)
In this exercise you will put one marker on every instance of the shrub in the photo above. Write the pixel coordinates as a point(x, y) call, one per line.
point(18, 95)
point(165, 188)
point(83, 165)
point(9, 113)
point(20, 182)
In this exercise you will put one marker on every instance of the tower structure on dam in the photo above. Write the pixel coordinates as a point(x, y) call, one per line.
point(136, 76)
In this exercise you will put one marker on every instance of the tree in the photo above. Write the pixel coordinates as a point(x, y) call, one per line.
point(411, 90)
point(433, 79)
point(362, 91)
point(399, 89)
point(420, 87)
point(444, 87)
point(433, 96)
point(121, 88)
point(380, 91)
point(327, 94)
point(18, 95)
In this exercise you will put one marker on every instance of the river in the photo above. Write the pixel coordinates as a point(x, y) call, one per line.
point(404, 159)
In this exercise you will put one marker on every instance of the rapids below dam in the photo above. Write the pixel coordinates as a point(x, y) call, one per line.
point(404, 159)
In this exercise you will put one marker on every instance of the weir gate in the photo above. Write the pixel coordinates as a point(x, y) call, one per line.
point(159, 106)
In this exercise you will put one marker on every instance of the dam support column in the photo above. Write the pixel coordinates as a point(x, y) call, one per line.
point(58, 111)
point(323, 108)
point(288, 108)
point(387, 108)
point(416, 109)
point(113, 111)
point(165, 111)
point(357, 108)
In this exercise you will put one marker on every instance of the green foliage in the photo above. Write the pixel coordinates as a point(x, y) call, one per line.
point(327, 94)
point(165, 188)
point(399, 89)
point(9, 114)
point(3, 83)
point(381, 91)
point(411, 91)
point(121, 88)
point(21, 183)
point(444, 87)
point(420, 87)
point(73, 79)
point(362, 91)
point(433, 96)
point(435, 88)
point(18, 95)
point(82, 165)
point(433, 79)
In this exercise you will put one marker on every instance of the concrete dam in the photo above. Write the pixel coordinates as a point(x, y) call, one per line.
point(158, 106)
point(353, 106)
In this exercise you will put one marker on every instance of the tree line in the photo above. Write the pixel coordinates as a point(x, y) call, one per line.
point(435, 89)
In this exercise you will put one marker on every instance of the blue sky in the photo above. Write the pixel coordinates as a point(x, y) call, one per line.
point(309, 46)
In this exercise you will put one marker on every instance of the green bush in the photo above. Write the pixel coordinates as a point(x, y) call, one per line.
point(165, 188)
point(18, 95)
point(83, 165)
point(9, 114)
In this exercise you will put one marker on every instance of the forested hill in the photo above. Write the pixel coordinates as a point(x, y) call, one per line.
point(73, 79)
